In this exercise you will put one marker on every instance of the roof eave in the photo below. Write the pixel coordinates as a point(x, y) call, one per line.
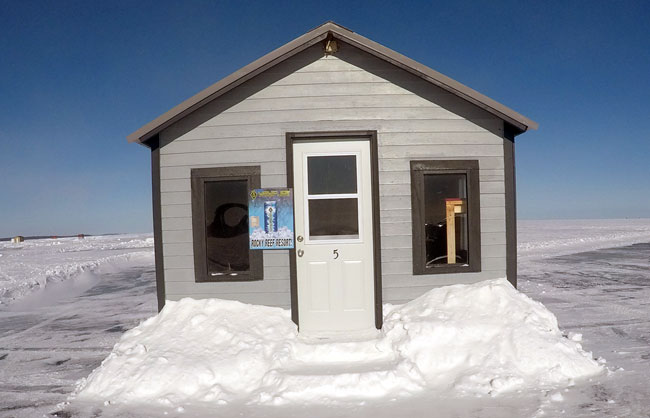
point(305, 41)
point(520, 121)
point(233, 80)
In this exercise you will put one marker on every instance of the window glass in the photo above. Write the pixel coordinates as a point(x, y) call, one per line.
point(332, 174)
point(226, 227)
point(445, 219)
point(333, 218)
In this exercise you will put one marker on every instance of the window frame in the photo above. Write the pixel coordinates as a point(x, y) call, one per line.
point(200, 176)
point(420, 168)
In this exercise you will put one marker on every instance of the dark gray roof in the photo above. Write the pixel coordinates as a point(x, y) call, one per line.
point(310, 38)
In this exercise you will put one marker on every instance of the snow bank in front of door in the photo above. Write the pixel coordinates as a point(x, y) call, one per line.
point(480, 339)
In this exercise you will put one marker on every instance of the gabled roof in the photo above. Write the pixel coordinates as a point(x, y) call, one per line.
point(303, 42)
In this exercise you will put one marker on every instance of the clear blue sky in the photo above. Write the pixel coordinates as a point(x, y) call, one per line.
point(76, 77)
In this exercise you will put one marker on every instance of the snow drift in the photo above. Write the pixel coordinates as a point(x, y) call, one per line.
point(480, 339)
point(32, 265)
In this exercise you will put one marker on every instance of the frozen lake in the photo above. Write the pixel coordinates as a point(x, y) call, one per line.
point(44, 350)
point(605, 296)
point(54, 335)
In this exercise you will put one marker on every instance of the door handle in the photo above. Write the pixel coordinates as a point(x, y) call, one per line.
point(301, 253)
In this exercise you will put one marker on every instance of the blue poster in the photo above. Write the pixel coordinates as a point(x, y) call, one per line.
point(270, 219)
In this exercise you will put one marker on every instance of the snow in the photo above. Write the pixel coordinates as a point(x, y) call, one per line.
point(52, 336)
point(599, 291)
point(552, 238)
point(33, 264)
point(486, 338)
point(472, 340)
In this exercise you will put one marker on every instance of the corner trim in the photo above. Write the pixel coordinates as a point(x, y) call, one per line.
point(509, 133)
point(154, 144)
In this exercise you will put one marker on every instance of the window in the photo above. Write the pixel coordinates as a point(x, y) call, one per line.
point(332, 195)
point(445, 214)
point(220, 224)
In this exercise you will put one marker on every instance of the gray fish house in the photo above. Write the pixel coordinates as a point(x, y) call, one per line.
point(403, 180)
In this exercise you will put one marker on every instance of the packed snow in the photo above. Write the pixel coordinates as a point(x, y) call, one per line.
point(552, 238)
point(476, 340)
point(75, 298)
point(33, 264)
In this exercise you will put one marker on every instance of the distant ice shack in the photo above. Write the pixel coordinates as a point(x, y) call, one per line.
point(401, 179)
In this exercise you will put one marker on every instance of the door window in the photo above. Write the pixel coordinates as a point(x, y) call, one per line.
point(333, 217)
point(332, 197)
point(332, 174)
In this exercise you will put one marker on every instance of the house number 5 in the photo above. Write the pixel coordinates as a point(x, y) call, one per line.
point(336, 254)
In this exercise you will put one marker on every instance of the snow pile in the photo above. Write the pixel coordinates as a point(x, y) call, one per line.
point(486, 338)
point(32, 265)
point(479, 339)
point(207, 350)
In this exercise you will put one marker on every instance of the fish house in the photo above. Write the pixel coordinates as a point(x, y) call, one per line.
point(402, 179)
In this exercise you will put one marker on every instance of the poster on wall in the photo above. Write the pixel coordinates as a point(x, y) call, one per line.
point(270, 216)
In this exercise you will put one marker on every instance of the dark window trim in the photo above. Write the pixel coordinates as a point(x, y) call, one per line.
point(419, 168)
point(199, 177)
point(371, 136)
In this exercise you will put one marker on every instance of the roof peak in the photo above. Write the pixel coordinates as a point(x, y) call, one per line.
point(320, 33)
point(333, 24)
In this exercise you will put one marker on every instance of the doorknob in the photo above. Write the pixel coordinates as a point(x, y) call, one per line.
point(301, 253)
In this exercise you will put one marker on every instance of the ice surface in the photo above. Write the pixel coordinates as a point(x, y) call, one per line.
point(599, 297)
point(602, 298)
point(33, 264)
point(551, 238)
point(54, 335)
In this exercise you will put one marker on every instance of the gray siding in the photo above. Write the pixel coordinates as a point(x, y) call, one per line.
point(247, 127)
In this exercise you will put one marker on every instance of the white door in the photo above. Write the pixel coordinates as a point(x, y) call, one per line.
point(334, 247)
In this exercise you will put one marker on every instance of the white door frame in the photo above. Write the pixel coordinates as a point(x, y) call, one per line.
point(371, 137)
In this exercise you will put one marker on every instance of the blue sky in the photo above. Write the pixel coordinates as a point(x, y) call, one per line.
point(78, 76)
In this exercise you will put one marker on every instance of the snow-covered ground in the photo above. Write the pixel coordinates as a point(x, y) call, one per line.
point(552, 238)
point(594, 275)
point(65, 304)
point(477, 340)
point(32, 264)
point(53, 335)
